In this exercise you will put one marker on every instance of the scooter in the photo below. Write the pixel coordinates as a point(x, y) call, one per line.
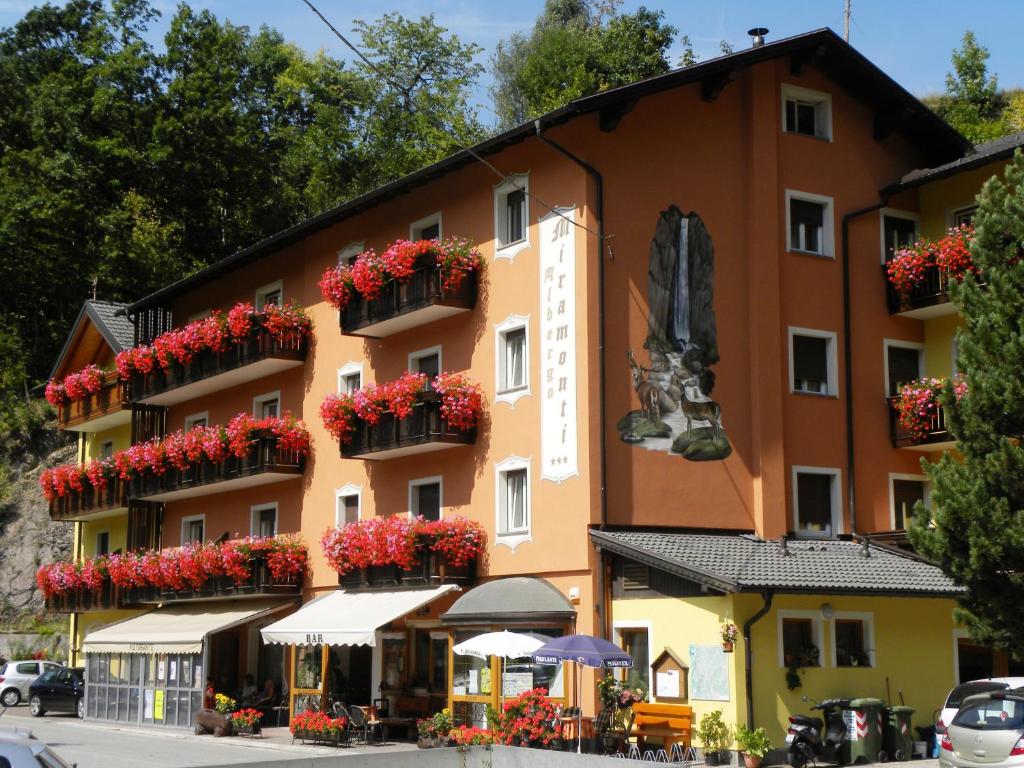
point(808, 738)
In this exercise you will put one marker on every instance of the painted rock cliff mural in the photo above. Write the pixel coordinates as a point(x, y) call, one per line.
point(675, 382)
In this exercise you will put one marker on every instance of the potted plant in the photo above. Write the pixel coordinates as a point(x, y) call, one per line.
point(715, 736)
point(426, 732)
point(442, 722)
point(729, 634)
point(754, 745)
point(246, 721)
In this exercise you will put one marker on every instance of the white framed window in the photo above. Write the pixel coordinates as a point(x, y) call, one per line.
point(904, 362)
point(806, 112)
point(810, 224)
point(348, 502)
point(197, 420)
point(350, 377)
point(272, 293)
point(347, 255)
point(800, 634)
point(813, 365)
point(899, 229)
point(106, 449)
point(817, 499)
point(263, 519)
point(427, 228)
point(193, 529)
point(852, 639)
point(512, 358)
point(512, 501)
point(904, 492)
point(428, 361)
point(636, 639)
point(961, 214)
point(267, 405)
point(511, 216)
point(426, 497)
point(102, 543)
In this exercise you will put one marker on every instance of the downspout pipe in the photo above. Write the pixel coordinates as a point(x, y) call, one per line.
point(748, 654)
point(848, 353)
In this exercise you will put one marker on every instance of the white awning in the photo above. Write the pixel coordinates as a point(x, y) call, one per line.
point(347, 618)
point(176, 629)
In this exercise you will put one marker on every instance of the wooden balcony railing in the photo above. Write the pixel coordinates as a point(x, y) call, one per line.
point(431, 570)
point(101, 410)
point(90, 502)
point(259, 356)
point(264, 464)
point(937, 433)
point(422, 431)
point(401, 306)
point(81, 600)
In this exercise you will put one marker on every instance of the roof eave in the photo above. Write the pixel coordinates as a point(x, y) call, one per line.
point(714, 581)
point(791, 590)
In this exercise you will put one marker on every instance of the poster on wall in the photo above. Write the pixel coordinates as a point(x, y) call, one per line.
point(709, 673)
point(674, 383)
point(558, 447)
point(158, 705)
point(147, 709)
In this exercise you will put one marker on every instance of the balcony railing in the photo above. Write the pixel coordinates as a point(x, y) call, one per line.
point(937, 436)
point(264, 464)
point(927, 299)
point(101, 410)
point(401, 306)
point(430, 571)
point(259, 356)
point(90, 503)
point(421, 432)
point(79, 600)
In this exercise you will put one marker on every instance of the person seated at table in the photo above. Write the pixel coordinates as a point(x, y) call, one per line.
point(249, 691)
point(268, 697)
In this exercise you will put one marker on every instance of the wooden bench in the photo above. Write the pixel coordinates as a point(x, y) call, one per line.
point(670, 723)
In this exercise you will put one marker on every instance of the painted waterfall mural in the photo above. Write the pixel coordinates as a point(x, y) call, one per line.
point(675, 382)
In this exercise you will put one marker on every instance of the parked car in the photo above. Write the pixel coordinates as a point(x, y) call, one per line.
point(962, 691)
point(986, 732)
point(17, 676)
point(58, 690)
point(28, 753)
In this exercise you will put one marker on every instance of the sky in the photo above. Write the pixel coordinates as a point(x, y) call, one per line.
point(911, 40)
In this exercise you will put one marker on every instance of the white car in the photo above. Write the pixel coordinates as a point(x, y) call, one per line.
point(986, 732)
point(28, 753)
point(17, 676)
point(962, 691)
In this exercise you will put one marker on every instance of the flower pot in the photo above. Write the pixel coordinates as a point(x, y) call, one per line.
point(710, 758)
point(752, 761)
point(425, 742)
point(727, 646)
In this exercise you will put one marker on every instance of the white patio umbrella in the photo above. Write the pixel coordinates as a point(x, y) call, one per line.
point(507, 645)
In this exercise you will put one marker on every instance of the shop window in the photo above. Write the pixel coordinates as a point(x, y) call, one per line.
point(431, 658)
point(812, 362)
point(852, 637)
point(510, 215)
point(905, 493)
point(425, 498)
point(806, 112)
point(799, 640)
point(897, 232)
point(192, 529)
point(427, 228)
point(102, 543)
point(816, 501)
point(264, 520)
point(348, 502)
point(903, 364)
point(269, 294)
point(809, 225)
point(637, 643)
point(267, 406)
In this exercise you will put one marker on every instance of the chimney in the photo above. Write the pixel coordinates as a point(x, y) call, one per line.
point(783, 548)
point(757, 36)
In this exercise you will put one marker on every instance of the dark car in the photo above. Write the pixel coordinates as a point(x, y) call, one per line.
point(58, 690)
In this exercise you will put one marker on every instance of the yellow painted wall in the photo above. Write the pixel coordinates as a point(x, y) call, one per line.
point(938, 344)
point(116, 526)
point(940, 198)
point(121, 436)
point(90, 622)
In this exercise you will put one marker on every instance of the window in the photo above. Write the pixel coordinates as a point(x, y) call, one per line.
point(511, 206)
point(902, 365)
point(28, 668)
point(347, 503)
point(636, 642)
point(851, 645)
point(898, 231)
point(1002, 714)
point(904, 493)
point(269, 294)
point(347, 255)
point(512, 362)
point(264, 520)
point(192, 529)
point(197, 420)
point(964, 215)
point(427, 228)
point(816, 501)
point(106, 449)
point(426, 361)
point(266, 406)
point(812, 362)
point(425, 498)
point(800, 638)
point(806, 112)
point(512, 501)
point(809, 224)
point(102, 543)
point(350, 378)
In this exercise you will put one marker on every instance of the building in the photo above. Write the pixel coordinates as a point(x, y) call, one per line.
point(678, 324)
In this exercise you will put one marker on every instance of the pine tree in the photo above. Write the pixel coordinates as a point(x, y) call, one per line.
point(977, 529)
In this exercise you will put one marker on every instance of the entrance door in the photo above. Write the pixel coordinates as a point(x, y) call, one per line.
point(224, 662)
point(975, 662)
point(348, 674)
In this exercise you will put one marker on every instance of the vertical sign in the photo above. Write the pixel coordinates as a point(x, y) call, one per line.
point(558, 345)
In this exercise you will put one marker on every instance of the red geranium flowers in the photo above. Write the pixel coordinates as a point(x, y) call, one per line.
point(908, 268)
point(75, 386)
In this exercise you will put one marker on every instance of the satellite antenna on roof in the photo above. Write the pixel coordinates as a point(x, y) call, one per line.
point(757, 36)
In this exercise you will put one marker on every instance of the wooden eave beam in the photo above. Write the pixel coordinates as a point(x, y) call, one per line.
point(799, 61)
point(609, 117)
point(713, 85)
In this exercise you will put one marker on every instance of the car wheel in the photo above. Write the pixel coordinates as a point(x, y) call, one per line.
point(35, 706)
point(80, 708)
point(11, 697)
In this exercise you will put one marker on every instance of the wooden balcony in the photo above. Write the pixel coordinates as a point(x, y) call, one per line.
point(430, 571)
point(401, 306)
point(422, 431)
point(81, 600)
point(936, 439)
point(105, 409)
point(91, 503)
point(929, 299)
point(257, 357)
point(265, 464)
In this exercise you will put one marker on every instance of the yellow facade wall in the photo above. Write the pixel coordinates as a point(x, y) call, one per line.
point(941, 198)
point(938, 344)
point(84, 623)
point(121, 437)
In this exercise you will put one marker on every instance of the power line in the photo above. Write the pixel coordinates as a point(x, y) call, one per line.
point(506, 178)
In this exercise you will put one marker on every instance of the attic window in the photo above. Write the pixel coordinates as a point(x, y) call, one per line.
point(636, 576)
point(806, 112)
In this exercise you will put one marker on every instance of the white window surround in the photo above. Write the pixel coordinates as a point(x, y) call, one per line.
point(190, 421)
point(254, 511)
point(837, 500)
point(417, 227)
point(259, 400)
point(351, 368)
point(798, 93)
point(510, 323)
point(830, 351)
point(413, 484)
point(515, 538)
point(868, 619)
point(427, 352)
point(509, 250)
point(349, 489)
point(886, 343)
point(896, 213)
point(263, 290)
point(892, 495)
point(644, 624)
point(828, 234)
point(350, 250)
point(191, 519)
point(817, 630)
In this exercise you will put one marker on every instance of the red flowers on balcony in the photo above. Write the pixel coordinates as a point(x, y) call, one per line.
point(918, 405)
point(75, 386)
point(951, 255)
point(454, 257)
point(399, 541)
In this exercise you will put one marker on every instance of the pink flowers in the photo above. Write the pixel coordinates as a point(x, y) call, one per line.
point(291, 434)
point(918, 405)
point(462, 401)
point(908, 268)
point(75, 386)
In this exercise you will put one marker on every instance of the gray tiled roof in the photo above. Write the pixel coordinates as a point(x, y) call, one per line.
point(116, 328)
point(743, 563)
point(982, 154)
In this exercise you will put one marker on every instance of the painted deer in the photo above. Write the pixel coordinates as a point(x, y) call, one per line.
point(705, 410)
point(648, 393)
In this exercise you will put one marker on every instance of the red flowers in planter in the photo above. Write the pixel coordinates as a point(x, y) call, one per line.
point(75, 386)
point(951, 254)
point(318, 724)
point(459, 539)
point(531, 718)
point(291, 433)
point(919, 401)
point(462, 401)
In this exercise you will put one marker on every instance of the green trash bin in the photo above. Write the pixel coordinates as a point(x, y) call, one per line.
point(897, 738)
point(863, 718)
